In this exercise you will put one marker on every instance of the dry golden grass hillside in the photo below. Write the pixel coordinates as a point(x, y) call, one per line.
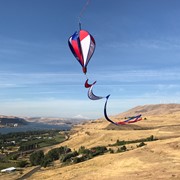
point(156, 109)
point(157, 160)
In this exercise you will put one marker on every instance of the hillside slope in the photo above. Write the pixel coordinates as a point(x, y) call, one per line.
point(156, 160)
point(156, 109)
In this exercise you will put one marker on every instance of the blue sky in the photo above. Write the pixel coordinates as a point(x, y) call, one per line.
point(137, 56)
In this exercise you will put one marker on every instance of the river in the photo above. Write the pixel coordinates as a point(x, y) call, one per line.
point(32, 126)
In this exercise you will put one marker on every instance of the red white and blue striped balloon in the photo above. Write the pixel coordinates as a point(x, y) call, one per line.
point(82, 45)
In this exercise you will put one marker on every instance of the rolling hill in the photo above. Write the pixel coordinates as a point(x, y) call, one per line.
point(11, 121)
point(156, 109)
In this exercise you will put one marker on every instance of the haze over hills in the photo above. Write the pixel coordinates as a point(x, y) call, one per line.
point(5, 120)
point(56, 120)
point(145, 110)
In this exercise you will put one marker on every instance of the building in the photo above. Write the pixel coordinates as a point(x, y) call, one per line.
point(10, 169)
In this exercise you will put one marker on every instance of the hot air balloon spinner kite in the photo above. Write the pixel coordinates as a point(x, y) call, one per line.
point(82, 45)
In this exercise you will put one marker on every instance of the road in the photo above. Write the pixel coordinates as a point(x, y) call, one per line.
point(27, 175)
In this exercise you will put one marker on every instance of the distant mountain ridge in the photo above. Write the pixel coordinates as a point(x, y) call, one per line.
point(145, 110)
point(57, 120)
point(11, 120)
point(152, 110)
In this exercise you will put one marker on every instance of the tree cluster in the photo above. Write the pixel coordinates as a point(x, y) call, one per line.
point(65, 155)
point(83, 154)
point(39, 158)
point(121, 143)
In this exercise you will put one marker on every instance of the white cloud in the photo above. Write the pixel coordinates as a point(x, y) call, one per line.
point(25, 79)
point(158, 44)
point(80, 116)
point(139, 75)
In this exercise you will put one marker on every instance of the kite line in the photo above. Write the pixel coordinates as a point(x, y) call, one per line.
point(82, 11)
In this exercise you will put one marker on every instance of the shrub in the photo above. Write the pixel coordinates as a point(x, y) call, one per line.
point(151, 138)
point(68, 156)
point(46, 162)
point(22, 163)
point(83, 150)
point(80, 159)
point(111, 150)
point(122, 149)
point(14, 156)
point(141, 144)
point(120, 143)
point(64, 150)
point(53, 154)
point(98, 150)
point(37, 157)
